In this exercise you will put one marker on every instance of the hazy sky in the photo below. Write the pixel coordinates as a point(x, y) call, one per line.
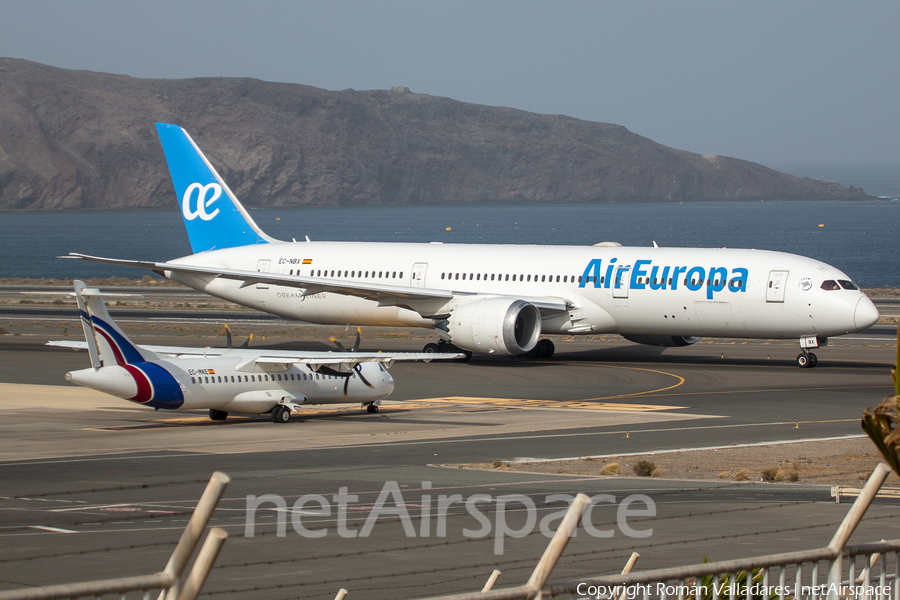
point(780, 83)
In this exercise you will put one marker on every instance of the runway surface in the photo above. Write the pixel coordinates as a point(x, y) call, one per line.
point(94, 487)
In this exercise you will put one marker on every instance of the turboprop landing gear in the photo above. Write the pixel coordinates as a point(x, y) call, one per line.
point(217, 415)
point(443, 347)
point(371, 408)
point(281, 414)
point(806, 359)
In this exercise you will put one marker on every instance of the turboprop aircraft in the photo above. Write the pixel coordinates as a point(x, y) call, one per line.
point(226, 380)
point(501, 299)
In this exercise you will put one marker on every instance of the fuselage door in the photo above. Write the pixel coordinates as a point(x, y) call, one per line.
point(620, 282)
point(775, 287)
point(418, 275)
point(263, 267)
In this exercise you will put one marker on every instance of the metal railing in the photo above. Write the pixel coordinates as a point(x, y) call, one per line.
point(166, 581)
point(828, 573)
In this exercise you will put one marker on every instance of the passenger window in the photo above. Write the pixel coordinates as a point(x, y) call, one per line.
point(847, 285)
point(829, 285)
point(464, 276)
point(192, 380)
point(379, 274)
point(207, 379)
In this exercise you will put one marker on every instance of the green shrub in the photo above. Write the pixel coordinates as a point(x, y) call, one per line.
point(644, 468)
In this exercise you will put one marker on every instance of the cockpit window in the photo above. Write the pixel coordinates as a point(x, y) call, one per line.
point(830, 284)
point(848, 285)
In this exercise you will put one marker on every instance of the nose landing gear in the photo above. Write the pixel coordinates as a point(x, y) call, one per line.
point(806, 359)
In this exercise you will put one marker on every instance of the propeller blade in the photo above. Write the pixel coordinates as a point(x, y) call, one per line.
point(227, 337)
point(247, 343)
point(346, 383)
point(358, 369)
point(339, 345)
point(356, 343)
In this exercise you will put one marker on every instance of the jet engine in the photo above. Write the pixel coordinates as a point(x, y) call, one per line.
point(495, 325)
point(662, 340)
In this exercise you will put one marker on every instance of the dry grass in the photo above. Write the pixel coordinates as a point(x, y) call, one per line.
point(612, 468)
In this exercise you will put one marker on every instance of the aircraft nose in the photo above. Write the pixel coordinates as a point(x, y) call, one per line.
point(866, 314)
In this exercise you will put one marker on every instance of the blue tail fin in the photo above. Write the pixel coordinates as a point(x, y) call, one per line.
point(213, 217)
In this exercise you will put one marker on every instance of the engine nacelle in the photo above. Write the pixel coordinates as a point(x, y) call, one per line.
point(662, 340)
point(495, 325)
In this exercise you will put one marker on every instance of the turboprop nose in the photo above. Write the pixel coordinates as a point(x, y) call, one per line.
point(866, 314)
point(388, 383)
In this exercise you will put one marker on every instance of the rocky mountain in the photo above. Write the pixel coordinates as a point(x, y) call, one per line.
point(78, 139)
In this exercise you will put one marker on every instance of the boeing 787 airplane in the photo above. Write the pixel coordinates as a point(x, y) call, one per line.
point(248, 381)
point(501, 299)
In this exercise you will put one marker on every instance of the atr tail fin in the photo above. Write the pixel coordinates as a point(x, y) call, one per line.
point(212, 221)
point(107, 344)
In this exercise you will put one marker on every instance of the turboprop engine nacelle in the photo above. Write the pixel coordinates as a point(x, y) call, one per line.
point(495, 325)
point(667, 341)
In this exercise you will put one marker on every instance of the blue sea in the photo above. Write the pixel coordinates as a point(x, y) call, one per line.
point(861, 238)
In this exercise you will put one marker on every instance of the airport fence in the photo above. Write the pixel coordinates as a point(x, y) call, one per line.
point(166, 584)
point(838, 571)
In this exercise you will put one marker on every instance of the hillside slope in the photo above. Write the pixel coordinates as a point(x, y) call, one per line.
point(78, 139)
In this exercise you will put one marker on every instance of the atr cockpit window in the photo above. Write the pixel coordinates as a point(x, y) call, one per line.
point(848, 285)
point(830, 285)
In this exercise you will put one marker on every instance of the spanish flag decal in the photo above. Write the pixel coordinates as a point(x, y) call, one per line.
point(211, 372)
point(307, 261)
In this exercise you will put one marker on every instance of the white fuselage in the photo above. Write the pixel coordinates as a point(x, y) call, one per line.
point(222, 383)
point(626, 290)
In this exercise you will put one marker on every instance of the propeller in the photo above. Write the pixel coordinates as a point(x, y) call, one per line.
point(340, 346)
point(355, 369)
point(228, 338)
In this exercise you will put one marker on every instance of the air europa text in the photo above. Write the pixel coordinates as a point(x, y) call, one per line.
point(644, 274)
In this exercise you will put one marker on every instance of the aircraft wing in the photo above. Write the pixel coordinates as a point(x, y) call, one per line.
point(385, 294)
point(168, 351)
point(309, 285)
point(346, 359)
point(286, 358)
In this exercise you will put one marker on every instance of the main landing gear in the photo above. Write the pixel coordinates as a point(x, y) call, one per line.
point(543, 349)
point(217, 415)
point(371, 408)
point(444, 347)
point(281, 414)
point(806, 359)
